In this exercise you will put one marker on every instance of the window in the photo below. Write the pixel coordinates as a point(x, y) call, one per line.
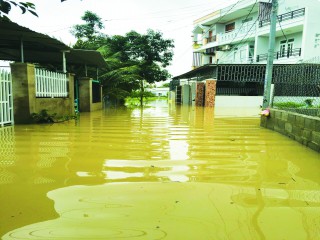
point(230, 27)
point(286, 47)
point(251, 53)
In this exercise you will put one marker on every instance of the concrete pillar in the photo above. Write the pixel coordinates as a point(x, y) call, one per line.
point(193, 93)
point(211, 86)
point(71, 93)
point(85, 94)
point(23, 88)
point(186, 94)
point(199, 94)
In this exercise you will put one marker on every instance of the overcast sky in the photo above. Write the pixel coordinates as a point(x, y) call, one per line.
point(173, 18)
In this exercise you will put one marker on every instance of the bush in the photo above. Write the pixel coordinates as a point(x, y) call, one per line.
point(288, 105)
point(44, 117)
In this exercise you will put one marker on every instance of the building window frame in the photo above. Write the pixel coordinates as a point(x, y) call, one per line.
point(230, 27)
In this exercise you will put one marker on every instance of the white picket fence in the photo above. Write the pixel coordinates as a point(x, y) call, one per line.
point(6, 98)
point(51, 84)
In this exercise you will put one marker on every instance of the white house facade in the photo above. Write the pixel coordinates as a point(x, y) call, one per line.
point(239, 34)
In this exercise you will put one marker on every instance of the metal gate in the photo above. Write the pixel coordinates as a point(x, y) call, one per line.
point(6, 99)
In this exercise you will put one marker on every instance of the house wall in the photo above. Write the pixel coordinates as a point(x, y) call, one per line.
point(311, 34)
point(301, 128)
point(240, 54)
point(24, 95)
point(261, 45)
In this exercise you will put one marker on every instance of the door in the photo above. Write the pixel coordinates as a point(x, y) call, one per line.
point(290, 47)
point(6, 98)
point(283, 48)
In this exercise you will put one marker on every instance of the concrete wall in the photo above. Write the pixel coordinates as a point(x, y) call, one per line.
point(60, 106)
point(302, 128)
point(24, 97)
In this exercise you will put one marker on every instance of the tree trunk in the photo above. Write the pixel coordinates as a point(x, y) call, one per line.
point(141, 93)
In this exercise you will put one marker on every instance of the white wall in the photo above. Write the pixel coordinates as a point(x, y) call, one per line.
point(261, 46)
point(311, 33)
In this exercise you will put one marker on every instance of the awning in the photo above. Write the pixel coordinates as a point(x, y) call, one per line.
point(40, 48)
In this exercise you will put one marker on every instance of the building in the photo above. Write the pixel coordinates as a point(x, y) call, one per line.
point(159, 91)
point(28, 87)
point(239, 34)
point(231, 45)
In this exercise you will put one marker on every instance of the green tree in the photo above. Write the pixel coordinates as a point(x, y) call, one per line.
point(152, 53)
point(131, 60)
point(90, 30)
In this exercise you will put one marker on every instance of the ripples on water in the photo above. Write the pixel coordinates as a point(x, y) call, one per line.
point(161, 173)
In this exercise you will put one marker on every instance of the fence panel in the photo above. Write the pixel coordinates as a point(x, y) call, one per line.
point(6, 98)
point(51, 84)
point(297, 88)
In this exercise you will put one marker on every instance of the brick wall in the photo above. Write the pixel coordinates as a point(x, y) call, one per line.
point(302, 128)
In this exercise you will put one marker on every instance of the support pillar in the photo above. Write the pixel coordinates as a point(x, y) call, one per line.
point(200, 94)
point(23, 88)
point(211, 86)
point(85, 94)
point(86, 98)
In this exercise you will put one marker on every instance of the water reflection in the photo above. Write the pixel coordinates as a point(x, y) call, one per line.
point(167, 172)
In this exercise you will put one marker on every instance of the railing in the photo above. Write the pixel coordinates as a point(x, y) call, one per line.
point(6, 98)
point(277, 55)
point(51, 84)
point(283, 17)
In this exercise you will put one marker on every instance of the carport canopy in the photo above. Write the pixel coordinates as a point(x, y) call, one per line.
point(21, 44)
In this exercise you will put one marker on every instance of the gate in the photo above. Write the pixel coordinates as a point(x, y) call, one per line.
point(6, 98)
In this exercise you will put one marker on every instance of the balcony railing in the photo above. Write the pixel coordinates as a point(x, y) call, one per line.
point(278, 55)
point(284, 17)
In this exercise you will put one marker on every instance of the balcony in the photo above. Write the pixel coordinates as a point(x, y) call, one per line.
point(280, 55)
point(284, 17)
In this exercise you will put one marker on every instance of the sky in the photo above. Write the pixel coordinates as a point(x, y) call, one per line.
point(174, 18)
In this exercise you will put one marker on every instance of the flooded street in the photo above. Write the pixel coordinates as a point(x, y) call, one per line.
point(167, 172)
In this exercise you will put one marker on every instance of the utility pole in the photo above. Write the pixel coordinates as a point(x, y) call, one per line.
point(269, 67)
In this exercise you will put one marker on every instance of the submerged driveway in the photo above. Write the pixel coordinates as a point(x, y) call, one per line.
point(165, 172)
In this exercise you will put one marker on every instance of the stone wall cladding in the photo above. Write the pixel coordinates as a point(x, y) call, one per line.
point(302, 128)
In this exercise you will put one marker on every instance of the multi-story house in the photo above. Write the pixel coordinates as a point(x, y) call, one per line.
point(239, 33)
point(231, 46)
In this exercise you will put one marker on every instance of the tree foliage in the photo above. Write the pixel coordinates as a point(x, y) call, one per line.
point(90, 30)
point(132, 59)
point(6, 7)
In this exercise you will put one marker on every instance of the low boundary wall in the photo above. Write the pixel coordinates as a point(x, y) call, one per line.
point(302, 128)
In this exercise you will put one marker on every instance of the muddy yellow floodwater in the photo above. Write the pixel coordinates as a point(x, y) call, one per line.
point(165, 172)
